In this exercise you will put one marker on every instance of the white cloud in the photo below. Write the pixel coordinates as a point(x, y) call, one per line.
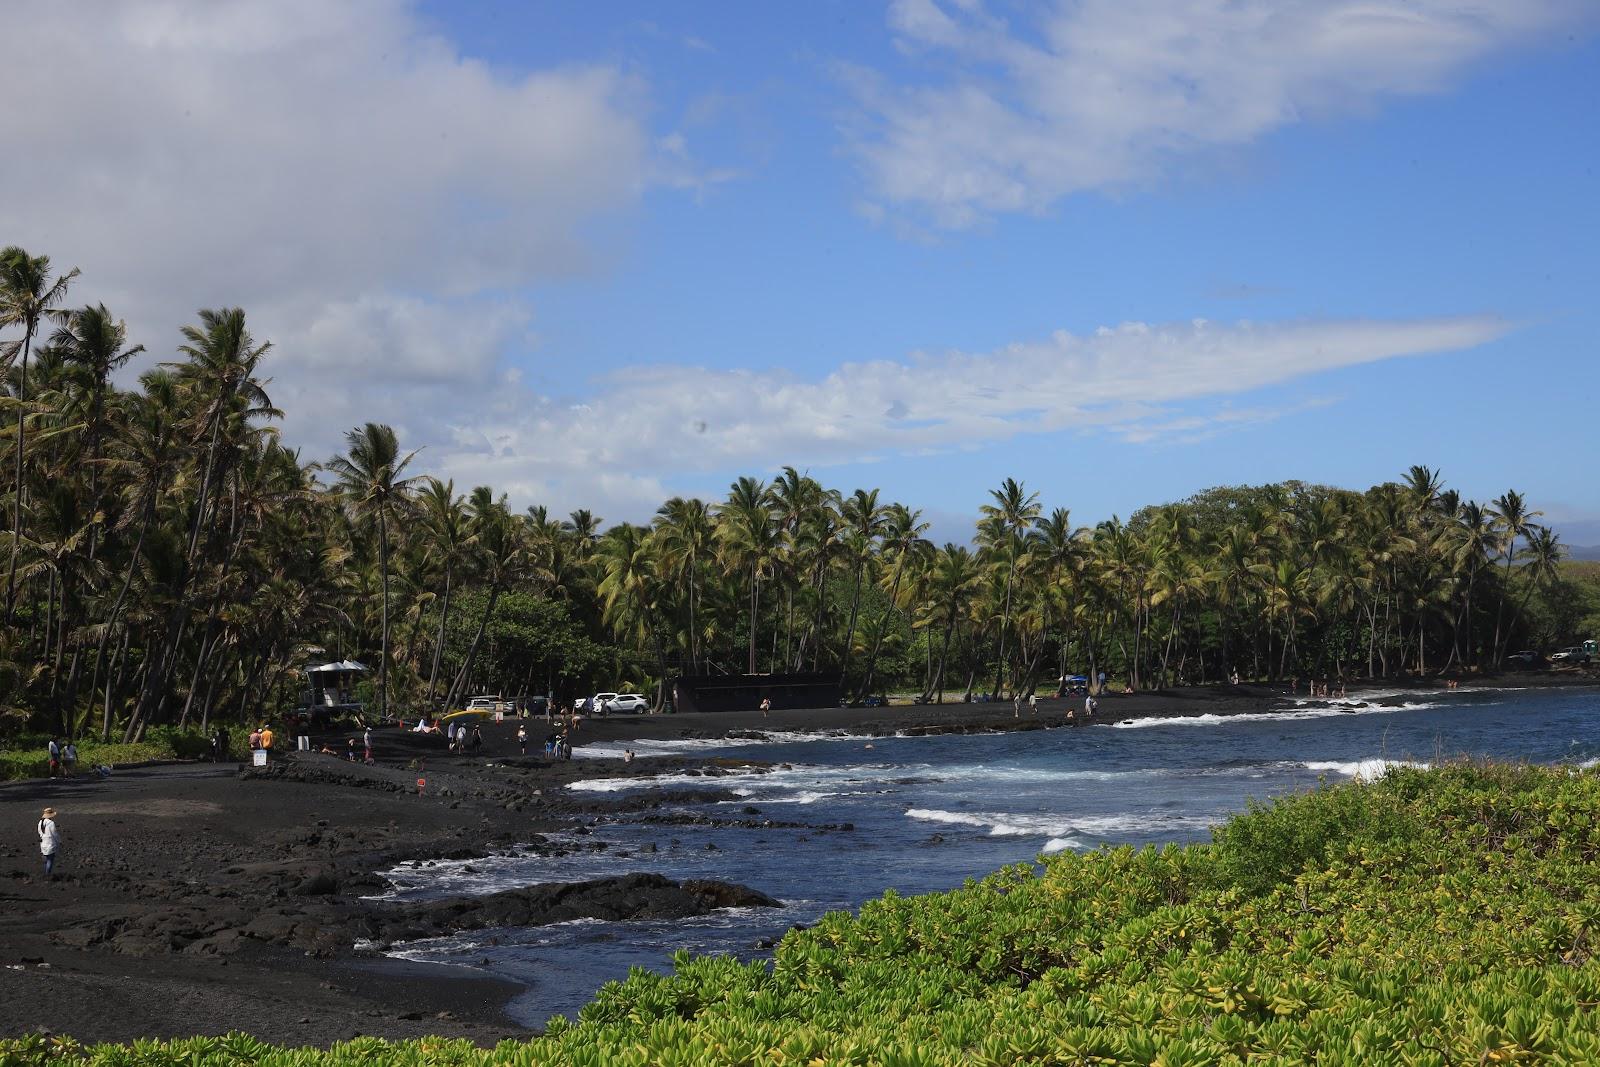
point(651, 426)
point(1103, 94)
point(364, 191)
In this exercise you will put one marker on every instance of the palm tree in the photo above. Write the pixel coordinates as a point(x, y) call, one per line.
point(955, 574)
point(503, 551)
point(1515, 520)
point(863, 524)
point(630, 590)
point(93, 341)
point(684, 529)
point(749, 542)
point(902, 539)
point(1542, 563)
point(221, 372)
point(446, 533)
point(1013, 512)
point(1468, 543)
point(27, 296)
point(369, 480)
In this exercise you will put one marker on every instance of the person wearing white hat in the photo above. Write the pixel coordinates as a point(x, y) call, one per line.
point(49, 841)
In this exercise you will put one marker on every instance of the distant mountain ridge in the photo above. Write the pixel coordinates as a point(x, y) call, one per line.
point(1586, 552)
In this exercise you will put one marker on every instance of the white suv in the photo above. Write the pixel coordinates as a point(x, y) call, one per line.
point(620, 702)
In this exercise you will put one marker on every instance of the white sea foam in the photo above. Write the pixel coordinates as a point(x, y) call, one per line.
point(1061, 844)
point(1349, 707)
point(751, 782)
point(1366, 770)
point(678, 745)
point(1053, 825)
point(1590, 763)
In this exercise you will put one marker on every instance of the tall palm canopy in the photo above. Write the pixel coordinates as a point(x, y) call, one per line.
point(369, 477)
point(170, 562)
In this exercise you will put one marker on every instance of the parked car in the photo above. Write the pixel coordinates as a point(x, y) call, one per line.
point(1523, 659)
point(1571, 654)
point(488, 704)
point(606, 703)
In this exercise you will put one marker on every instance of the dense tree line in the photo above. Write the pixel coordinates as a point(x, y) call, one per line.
point(169, 560)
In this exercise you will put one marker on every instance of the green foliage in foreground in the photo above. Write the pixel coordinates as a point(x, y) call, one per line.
point(1435, 917)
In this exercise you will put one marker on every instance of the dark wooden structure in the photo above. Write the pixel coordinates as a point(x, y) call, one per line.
point(744, 692)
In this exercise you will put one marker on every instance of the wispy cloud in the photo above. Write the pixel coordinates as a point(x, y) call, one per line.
point(1104, 94)
point(652, 425)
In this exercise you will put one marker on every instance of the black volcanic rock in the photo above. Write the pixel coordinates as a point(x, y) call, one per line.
point(632, 896)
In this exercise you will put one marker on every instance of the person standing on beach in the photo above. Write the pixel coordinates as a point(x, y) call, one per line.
point(1016, 705)
point(1033, 703)
point(366, 743)
point(766, 706)
point(55, 756)
point(1089, 705)
point(49, 841)
point(69, 759)
point(266, 737)
point(522, 739)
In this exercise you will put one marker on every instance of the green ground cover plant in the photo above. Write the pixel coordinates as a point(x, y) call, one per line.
point(27, 756)
point(1435, 917)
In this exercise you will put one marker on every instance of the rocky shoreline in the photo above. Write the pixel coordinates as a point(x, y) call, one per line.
point(201, 899)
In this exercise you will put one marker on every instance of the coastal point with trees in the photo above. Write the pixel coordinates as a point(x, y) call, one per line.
point(172, 562)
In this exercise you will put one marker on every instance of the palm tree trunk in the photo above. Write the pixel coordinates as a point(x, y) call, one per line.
point(472, 650)
point(438, 645)
point(755, 602)
point(116, 610)
point(20, 485)
point(877, 641)
point(944, 651)
point(1005, 622)
point(850, 630)
point(383, 656)
point(1505, 588)
point(114, 681)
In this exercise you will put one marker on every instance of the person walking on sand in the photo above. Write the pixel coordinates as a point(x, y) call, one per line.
point(1016, 705)
point(766, 706)
point(69, 759)
point(1089, 705)
point(54, 750)
point(49, 841)
point(522, 739)
point(1033, 703)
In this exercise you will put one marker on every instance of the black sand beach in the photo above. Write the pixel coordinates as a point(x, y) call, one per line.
point(202, 899)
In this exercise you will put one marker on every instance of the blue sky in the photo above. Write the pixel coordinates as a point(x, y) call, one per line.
point(596, 255)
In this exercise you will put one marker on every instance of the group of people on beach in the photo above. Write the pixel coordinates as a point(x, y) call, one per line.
point(461, 739)
point(556, 743)
point(63, 757)
point(1324, 689)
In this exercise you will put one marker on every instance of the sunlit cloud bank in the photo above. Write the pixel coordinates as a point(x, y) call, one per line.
point(374, 199)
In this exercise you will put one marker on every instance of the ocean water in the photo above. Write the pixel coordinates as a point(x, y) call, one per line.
point(929, 812)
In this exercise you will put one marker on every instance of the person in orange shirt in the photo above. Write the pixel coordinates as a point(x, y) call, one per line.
point(266, 737)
